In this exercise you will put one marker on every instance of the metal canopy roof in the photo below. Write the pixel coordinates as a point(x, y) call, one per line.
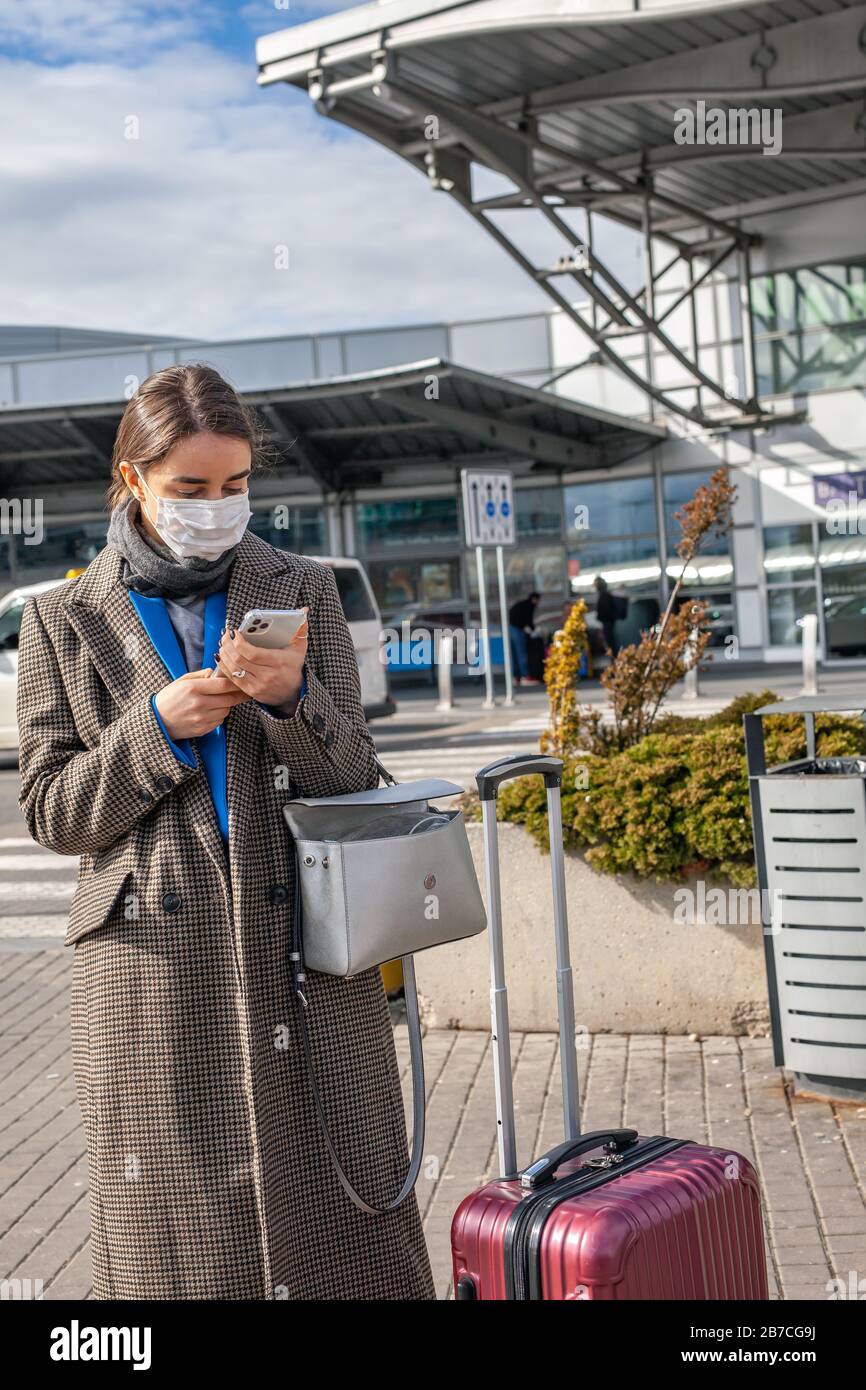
point(348, 431)
point(574, 102)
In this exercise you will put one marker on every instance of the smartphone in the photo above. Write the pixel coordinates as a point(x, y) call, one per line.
point(271, 627)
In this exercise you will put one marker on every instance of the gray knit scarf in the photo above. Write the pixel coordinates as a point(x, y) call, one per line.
point(152, 569)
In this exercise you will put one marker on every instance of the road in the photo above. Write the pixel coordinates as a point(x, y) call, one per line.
point(36, 885)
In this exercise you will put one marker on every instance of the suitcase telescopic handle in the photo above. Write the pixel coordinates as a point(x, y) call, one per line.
point(517, 765)
point(488, 780)
point(543, 1169)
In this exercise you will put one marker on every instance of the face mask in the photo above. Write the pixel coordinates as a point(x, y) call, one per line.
point(200, 529)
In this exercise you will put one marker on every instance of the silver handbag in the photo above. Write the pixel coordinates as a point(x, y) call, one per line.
point(380, 874)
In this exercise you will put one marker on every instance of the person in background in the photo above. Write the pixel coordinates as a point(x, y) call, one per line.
point(605, 611)
point(521, 624)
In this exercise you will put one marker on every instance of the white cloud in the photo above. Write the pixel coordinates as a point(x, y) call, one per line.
point(97, 28)
point(175, 232)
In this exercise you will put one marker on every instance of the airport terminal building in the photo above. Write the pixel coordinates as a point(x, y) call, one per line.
point(738, 342)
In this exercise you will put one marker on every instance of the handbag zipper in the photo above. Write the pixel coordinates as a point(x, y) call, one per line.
point(522, 1244)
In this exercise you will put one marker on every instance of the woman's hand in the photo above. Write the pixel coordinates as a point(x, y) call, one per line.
point(273, 677)
point(196, 703)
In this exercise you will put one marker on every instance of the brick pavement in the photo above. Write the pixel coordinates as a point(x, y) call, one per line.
point(811, 1156)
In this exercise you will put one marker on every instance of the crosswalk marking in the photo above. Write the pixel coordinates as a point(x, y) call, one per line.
point(29, 862)
point(20, 889)
point(36, 887)
point(457, 762)
point(51, 924)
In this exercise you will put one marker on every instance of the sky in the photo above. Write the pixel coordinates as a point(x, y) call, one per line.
point(181, 230)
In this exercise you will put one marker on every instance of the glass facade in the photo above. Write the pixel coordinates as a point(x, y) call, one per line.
point(809, 569)
point(810, 328)
point(611, 529)
point(407, 523)
point(301, 529)
point(789, 571)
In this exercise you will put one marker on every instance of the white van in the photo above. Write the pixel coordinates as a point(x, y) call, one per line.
point(359, 605)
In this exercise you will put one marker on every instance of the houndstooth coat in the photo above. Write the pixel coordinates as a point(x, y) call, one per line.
point(208, 1176)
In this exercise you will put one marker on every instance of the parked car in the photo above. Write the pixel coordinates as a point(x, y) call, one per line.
point(356, 596)
point(845, 625)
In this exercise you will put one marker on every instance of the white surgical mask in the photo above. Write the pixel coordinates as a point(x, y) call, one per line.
point(198, 528)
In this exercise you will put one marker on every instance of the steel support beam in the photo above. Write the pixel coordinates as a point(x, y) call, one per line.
point(476, 134)
point(299, 449)
point(813, 55)
point(496, 432)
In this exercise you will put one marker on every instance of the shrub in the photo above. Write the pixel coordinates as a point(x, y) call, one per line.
point(676, 801)
point(561, 673)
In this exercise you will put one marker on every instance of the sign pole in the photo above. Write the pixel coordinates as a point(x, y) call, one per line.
point(488, 701)
point(506, 636)
point(488, 516)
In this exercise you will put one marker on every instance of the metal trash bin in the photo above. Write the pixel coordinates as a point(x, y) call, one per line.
point(809, 831)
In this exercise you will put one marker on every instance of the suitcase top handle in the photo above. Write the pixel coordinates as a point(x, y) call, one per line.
point(543, 1169)
point(517, 765)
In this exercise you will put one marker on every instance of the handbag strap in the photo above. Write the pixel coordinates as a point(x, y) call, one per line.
point(416, 1054)
point(384, 773)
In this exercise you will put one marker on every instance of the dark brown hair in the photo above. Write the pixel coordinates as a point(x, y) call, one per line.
point(171, 405)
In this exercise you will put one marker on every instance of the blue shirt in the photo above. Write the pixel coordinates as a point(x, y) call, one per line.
point(157, 624)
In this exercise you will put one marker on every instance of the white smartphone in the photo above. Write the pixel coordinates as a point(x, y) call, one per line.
point(271, 627)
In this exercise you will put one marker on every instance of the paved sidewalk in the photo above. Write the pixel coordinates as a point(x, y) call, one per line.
point(811, 1156)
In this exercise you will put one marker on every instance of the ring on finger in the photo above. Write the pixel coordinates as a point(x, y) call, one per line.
point(238, 675)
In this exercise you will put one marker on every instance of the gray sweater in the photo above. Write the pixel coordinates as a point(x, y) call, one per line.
point(187, 619)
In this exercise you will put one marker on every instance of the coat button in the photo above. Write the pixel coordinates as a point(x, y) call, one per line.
point(318, 723)
point(164, 783)
point(329, 739)
point(278, 893)
point(144, 795)
point(171, 902)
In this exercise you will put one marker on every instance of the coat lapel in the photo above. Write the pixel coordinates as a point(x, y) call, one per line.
point(101, 612)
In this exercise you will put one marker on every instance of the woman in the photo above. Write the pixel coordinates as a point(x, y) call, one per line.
point(162, 748)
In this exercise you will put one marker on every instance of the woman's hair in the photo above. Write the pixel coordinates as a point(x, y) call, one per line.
point(170, 406)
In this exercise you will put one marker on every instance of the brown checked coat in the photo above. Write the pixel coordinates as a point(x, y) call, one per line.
point(208, 1175)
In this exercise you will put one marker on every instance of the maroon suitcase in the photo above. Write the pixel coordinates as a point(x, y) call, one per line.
point(607, 1215)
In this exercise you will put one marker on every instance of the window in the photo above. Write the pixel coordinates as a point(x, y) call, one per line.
point(539, 512)
point(789, 566)
point(787, 607)
point(354, 595)
point(404, 588)
point(810, 328)
point(679, 488)
point(622, 508)
point(10, 622)
point(843, 582)
point(789, 554)
point(408, 523)
point(611, 530)
point(300, 529)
